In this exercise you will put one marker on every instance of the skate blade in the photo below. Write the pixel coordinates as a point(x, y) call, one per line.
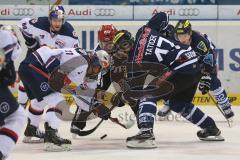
point(213, 138)
point(32, 140)
point(147, 144)
point(50, 147)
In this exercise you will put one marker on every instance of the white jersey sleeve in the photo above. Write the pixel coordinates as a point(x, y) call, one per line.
point(26, 28)
point(10, 45)
point(44, 54)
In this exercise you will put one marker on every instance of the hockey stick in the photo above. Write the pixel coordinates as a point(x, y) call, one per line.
point(115, 120)
point(55, 4)
point(87, 132)
point(211, 97)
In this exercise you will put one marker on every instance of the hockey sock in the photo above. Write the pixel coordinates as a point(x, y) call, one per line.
point(35, 112)
point(220, 95)
point(22, 96)
point(146, 113)
point(11, 130)
point(192, 114)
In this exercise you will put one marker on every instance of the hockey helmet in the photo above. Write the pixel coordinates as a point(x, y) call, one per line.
point(183, 27)
point(123, 40)
point(101, 60)
point(106, 33)
point(57, 12)
point(159, 22)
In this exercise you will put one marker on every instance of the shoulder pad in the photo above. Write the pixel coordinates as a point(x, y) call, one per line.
point(41, 23)
point(200, 44)
point(68, 30)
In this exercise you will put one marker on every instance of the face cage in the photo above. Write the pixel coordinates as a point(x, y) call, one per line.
point(124, 46)
point(107, 46)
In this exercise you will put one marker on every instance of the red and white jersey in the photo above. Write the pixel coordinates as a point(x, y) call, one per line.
point(72, 61)
point(39, 29)
point(9, 44)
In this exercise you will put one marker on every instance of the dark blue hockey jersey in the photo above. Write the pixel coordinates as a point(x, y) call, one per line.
point(150, 47)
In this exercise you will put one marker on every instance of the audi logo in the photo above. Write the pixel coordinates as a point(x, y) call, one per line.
point(23, 11)
point(188, 12)
point(104, 12)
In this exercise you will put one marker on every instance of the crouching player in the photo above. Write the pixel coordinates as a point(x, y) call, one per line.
point(102, 81)
point(12, 116)
point(64, 65)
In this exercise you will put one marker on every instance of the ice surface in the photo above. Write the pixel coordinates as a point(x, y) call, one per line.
point(176, 139)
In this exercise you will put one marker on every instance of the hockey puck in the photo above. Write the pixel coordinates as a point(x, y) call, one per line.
point(104, 136)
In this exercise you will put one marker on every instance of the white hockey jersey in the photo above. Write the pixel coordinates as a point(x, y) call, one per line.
point(39, 29)
point(9, 45)
point(73, 63)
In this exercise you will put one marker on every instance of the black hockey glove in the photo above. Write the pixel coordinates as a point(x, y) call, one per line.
point(8, 74)
point(101, 111)
point(80, 119)
point(117, 100)
point(205, 83)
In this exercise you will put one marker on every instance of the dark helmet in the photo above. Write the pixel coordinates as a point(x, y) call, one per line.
point(57, 12)
point(183, 27)
point(123, 39)
point(159, 21)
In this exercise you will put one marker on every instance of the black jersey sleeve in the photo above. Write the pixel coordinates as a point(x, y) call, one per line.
point(200, 44)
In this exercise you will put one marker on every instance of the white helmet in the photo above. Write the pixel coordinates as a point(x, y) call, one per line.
point(104, 58)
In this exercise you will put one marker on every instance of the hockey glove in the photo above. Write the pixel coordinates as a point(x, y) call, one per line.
point(101, 111)
point(8, 74)
point(205, 83)
point(80, 119)
point(58, 80)
point(117, 100)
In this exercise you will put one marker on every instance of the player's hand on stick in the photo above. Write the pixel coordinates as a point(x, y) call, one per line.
point(117, 100)
point(205, 83)
point(101, 111)
point(58, 80)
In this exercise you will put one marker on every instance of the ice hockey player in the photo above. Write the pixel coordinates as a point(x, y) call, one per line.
point(12, 116)
point(52, 31)
point(105, 37)
point(63, 64)
point(179, 80)
point(205, 49)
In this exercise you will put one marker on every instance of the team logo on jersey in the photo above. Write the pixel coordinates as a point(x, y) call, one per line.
point(44, 86)
point(202, 46)
point(60, 43)
point(208, 59)
point(4, 107)
point(74, 34)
